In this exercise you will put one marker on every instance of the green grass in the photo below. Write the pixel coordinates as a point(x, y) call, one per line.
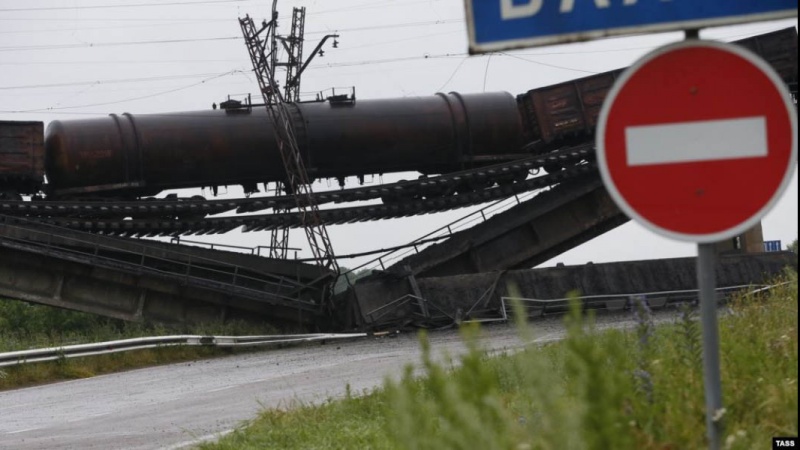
point(640, 389)
point(26, 326)
point(356, 422)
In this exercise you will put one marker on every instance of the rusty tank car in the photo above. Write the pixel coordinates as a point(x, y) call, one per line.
point(145, 154)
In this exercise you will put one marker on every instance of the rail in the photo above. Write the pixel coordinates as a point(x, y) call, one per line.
point(103, 348)
point(190, 208)
point(216, 225)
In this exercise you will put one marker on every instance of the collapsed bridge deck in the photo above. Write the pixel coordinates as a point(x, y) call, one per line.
point(151, 281)
point(387, 300)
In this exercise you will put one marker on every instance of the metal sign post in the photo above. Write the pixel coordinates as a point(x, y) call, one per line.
point(707, 288)
point(707, 285)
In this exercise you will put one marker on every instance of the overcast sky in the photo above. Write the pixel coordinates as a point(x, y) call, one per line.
point(62, 60)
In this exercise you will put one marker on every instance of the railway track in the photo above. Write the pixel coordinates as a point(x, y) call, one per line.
point(408, 198)
point(425, 187)
point(218, 225)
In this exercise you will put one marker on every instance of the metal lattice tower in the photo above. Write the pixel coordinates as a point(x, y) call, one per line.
point(279, 241)
point(294, 51)
point(279, 237)
point(262, 46)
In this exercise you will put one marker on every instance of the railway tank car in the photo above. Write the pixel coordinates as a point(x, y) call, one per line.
point(142, 155)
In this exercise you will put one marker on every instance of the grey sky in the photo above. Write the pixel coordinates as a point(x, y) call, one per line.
point(64, 60)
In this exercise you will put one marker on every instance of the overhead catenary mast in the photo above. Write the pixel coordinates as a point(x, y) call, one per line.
point(263, 47)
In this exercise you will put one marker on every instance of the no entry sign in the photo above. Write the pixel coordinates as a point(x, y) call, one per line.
point(697, 140)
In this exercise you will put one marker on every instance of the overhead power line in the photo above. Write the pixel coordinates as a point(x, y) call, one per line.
point(119, 5)
point(130, 99)
point(109, 19)
point(183, 21)
point(122, 80)
point(171, 23)
point(118, 61)
point(113, 44)
point(369, 5)
point(396, 25)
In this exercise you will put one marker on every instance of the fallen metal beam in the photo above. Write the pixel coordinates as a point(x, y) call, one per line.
point(531, 233)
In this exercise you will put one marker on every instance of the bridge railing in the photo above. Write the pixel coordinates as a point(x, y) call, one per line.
point(467, 221)
point(256, 251)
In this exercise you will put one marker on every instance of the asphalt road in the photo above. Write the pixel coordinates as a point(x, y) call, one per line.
point(177, 405)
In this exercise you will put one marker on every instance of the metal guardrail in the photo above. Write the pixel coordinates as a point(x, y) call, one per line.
point(538, 307)
point(618, 301)
point(124, 345)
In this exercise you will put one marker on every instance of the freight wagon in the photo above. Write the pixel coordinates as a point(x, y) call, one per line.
point(21, 158)
point(567, 113)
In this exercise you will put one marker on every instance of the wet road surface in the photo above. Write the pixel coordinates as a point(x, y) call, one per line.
point(177, 405)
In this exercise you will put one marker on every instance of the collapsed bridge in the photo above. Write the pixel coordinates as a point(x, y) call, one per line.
point(70, 244)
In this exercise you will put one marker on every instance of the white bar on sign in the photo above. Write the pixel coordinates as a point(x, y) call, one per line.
point(702, 140)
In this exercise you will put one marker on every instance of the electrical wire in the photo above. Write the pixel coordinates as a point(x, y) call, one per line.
point(393, 41)
point(232, 72)
point(181, 22)
point(396, 25)
point(115, 44)
point(486, 71)
point(548, 65)
point(463, 60)
point(124, 5)
point(368, 5)
point(121, 80)
point(117, 62)
point(173, 23)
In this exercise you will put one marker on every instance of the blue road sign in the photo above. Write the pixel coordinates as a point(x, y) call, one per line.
point(772, 246)
point(505, 24)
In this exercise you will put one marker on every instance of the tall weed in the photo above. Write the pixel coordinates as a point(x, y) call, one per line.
point(620, 390)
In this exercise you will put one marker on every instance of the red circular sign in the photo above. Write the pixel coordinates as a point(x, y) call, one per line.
point(697, 140)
